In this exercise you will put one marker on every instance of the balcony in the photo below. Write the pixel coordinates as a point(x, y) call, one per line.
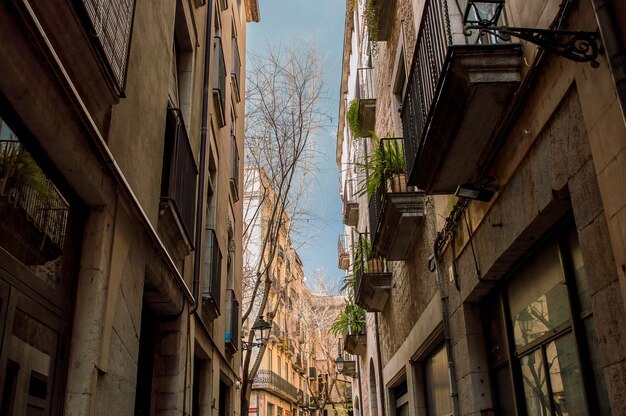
point(373, 280)
point(385, 10)
point(350, 213)
point(395, 210)
point(275, 333)
point(298, 364)
point(234, 169)
point(211, 288)
point(366, 99)
point(291, 349)
point(178, 181)
point(456, 96)
point(235, 69)
point(342, 253)
point(272, 382)
point(355, 344)
point(219, 81)
point(231, 334)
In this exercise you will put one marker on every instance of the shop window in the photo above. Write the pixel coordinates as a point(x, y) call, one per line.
point(549, 365)
point(34, 212)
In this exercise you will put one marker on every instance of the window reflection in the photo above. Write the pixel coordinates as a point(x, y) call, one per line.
point(33, 211)
point(535, 387)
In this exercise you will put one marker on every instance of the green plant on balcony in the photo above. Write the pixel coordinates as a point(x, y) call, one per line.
point(370, 18)
point(351, 320)
point(18, 167)
point(385, 167)
point(354, 124)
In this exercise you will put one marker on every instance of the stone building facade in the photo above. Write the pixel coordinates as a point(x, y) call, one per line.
point(121, 125)
point(515, 304)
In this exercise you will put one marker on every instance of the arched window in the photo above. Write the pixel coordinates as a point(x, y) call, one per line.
point(373, 395)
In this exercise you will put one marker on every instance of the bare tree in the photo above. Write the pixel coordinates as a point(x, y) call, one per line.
point(284, 94)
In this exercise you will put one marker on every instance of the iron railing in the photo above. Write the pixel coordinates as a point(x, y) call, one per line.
point(234, 168)
point(266, 379)
point(235, 67)
point(431, 48)
point(219, 79)
point(343, 255)
point(362, 257)
point(392, 150)
point(178, 183)
point(438, 31)
point(109, 26)
point(276, 332)
point(231, 334)
point(365, 84)
point(28, 188)
point(211, 290)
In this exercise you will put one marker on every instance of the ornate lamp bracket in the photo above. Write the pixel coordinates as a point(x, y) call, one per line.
point(578, 46)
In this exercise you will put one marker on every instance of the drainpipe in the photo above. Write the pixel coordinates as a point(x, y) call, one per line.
point(197, 258)
point(380, 366)
point(614, 47)
point(446, 331)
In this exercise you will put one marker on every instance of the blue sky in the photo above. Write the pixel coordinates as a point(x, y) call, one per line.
point(292, 22)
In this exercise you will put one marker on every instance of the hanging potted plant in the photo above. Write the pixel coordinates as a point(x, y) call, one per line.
point(365, 260)
point(385, 167)
point(351, 321)
point(394, 166)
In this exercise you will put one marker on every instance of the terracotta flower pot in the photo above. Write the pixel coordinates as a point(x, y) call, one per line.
point(375, 266)
point(398, 183)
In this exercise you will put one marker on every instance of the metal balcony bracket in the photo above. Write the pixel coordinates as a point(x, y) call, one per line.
point(578, 46)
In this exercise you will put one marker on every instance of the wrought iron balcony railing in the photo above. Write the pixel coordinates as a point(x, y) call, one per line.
point(178, 183)
point(365, 84)
point(342, 253)
point(219, 81)
point(434, 37)
point(394, 208)
point(373, 279)
point(235, 68)
point(451, 84)
point(231, 334)
point(211, 290)
point(234, 169)
point(113, 27)
point(269, 380)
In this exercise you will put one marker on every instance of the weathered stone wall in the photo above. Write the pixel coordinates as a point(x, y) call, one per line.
point(413, 285)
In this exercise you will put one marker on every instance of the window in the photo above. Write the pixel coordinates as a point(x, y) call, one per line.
point(437, 383)
point(401, 398)
point(219, 75)
point(545, 310)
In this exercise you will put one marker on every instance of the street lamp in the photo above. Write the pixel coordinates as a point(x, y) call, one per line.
point(483, 15)
point(264, 328)
point(339, 364)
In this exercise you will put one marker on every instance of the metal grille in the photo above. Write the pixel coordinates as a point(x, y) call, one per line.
point(219, 74)
point(111, 24)
point(235, 68)
point(179, 171)
point(212, 287)
point(377, 200)
point(271, 380)
point(424, 78)
point(231, 335)
point(365, 84)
